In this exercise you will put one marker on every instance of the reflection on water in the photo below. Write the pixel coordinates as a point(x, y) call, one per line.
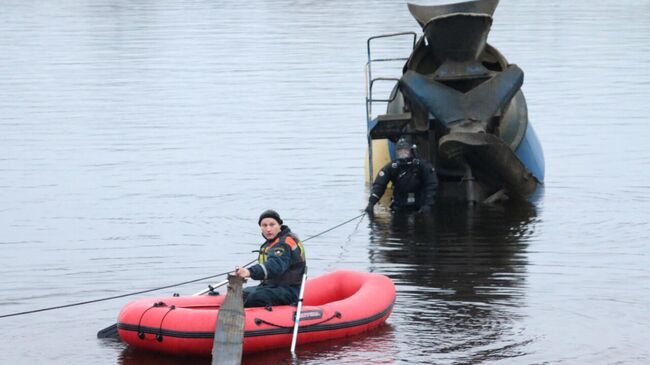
point(461, 274)
point(374, 347)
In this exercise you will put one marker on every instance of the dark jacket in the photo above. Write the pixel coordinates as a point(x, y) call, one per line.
point(411, 176)
point(281, 260)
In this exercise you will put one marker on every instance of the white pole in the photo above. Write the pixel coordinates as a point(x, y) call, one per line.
point(297, 320)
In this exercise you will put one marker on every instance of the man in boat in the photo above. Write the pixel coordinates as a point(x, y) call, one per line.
point(414, 182)
point(280, 267)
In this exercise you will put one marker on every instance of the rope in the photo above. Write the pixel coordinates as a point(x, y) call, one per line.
point(155, 305)
point(337, 314)
point(333, 228)
point(159, 288)
point(115, 296)
point(159, 336)
point(349, 239)
point(355, 228)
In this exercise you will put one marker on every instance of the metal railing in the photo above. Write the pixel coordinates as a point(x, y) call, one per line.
point(370, 82)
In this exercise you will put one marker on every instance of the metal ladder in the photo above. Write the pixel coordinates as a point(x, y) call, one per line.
point(370, 81)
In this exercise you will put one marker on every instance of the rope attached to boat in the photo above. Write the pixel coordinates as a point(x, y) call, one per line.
point(159, 336)
point(162, 287)
point(118, 296)
point(155, 305)
point(337, 314)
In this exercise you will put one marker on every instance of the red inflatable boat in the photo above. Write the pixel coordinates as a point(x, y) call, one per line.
point(338, 304)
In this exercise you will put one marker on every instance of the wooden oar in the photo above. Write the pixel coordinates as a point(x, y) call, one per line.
point(229, 331)
point(111, 331)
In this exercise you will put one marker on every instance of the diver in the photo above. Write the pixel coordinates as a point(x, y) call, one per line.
point(280, 267)
point(414, 182)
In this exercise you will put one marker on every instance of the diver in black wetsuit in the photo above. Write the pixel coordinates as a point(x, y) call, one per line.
point(414, 182)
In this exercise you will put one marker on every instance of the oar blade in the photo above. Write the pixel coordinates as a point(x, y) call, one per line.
point(109, 332)
point(229, 332)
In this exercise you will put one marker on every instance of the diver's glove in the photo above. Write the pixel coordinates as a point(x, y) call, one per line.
point(370, 209)
point(425, 209)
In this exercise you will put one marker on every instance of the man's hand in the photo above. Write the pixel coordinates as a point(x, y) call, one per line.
point(242, 272)
point(425, 209)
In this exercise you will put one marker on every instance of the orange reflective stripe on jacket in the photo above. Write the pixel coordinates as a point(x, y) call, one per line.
point(289, 241)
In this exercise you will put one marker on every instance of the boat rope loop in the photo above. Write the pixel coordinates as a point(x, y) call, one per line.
point(337, 314)
point(162, 287)
point(155, 305)
point(159, 336)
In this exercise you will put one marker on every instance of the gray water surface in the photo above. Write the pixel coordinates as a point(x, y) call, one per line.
point(139, 141)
